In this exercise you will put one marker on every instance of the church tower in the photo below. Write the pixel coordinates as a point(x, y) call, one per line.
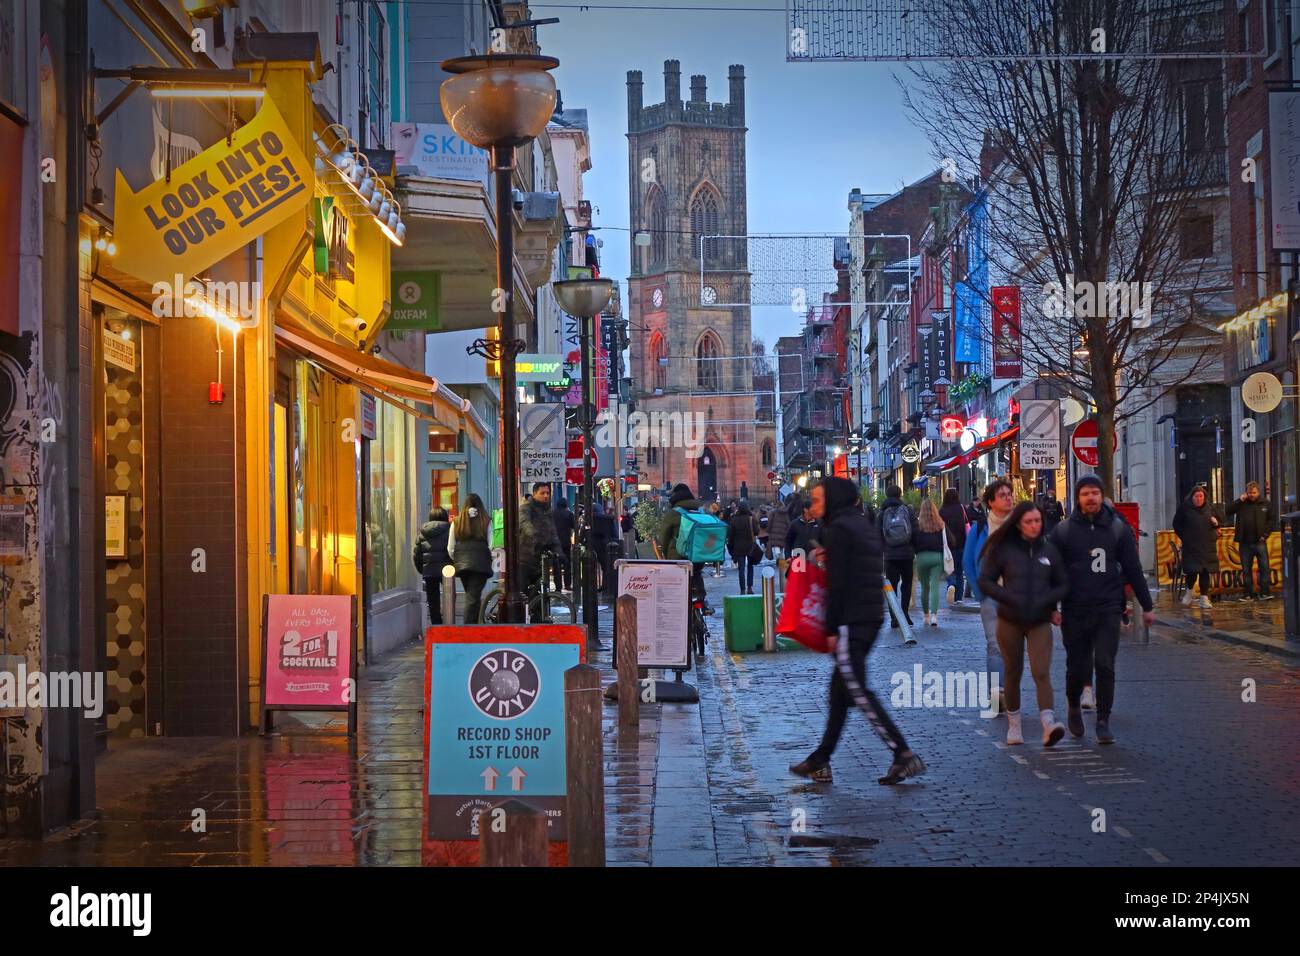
point(690, 352)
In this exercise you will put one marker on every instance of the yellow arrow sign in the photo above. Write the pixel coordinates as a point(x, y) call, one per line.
point(215, 203)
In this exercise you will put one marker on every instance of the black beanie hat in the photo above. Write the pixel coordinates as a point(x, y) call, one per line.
point(680, 493)
point(1088, 481)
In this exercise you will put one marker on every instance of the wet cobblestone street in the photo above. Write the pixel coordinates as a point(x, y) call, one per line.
point(1198, 777)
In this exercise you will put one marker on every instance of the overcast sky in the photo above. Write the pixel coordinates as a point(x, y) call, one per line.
point(816, 130)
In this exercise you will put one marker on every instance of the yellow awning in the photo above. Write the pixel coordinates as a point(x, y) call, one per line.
point(387, 379)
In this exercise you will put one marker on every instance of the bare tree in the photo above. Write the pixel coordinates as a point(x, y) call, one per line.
point(1085, 102)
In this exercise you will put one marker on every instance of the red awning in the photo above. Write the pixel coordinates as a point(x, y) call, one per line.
point(985, 446)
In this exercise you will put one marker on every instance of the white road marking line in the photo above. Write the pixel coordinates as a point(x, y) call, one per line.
point(1134, 780)
point(1041, 776)
point(1019, 759)
point(982, 733)
point(1156, 854)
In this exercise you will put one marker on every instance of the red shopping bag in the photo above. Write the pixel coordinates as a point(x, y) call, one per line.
point(803, 609)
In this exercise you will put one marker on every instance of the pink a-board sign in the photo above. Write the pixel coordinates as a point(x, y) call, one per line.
point(308, 650)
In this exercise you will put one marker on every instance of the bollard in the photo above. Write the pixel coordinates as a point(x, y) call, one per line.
point(584, 758)
point(896, 609)
point(629, 705)
point(512, 834)
point(449, 594)
point(611, 577)
point(769, 609)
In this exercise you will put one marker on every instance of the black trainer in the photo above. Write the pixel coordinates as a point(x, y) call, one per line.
point(902, 768)
point(815, 770)
point(1074, 719)
point(1104, 736)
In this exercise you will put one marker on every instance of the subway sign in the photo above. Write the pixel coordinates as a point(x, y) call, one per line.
point(539, 367)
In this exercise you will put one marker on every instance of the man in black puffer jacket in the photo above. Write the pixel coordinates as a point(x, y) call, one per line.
point(855, 609)
point(1101, 556)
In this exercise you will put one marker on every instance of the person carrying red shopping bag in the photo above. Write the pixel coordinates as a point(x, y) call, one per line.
point(803, 609)
point(854, 610)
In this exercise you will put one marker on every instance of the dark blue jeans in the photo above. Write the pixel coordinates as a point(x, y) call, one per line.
point(1250, 555)
point(958, 580)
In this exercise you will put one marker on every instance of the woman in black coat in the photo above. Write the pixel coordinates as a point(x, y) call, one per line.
point(471, 554)
point(430, 555)
point(1024, 573)
point(742, 532)
point(1198, 530)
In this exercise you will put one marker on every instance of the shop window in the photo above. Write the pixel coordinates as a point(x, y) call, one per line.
point(393, 519)
point(443, 440)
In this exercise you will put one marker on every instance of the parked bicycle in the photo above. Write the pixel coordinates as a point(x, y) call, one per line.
point(545, 606)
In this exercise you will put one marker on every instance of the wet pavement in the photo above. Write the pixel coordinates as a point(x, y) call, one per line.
point(1199, 776)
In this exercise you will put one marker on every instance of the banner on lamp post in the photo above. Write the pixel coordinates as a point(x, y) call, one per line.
point(940, 349)
point(1006, 331)
point(1284, 167)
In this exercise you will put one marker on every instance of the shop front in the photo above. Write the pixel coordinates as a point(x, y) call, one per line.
point(249, 441)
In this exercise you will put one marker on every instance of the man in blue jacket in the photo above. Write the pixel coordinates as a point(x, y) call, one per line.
point(1101, 556)
point(999, 501)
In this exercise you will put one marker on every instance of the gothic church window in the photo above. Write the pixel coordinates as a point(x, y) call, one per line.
point(704, 222)
point(708, 376)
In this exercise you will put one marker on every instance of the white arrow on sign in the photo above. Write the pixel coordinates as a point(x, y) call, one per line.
point(516, 779)
point(490, 778)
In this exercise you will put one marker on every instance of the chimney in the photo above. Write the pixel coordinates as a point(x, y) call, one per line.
point(736, 79)
point(699, 89)
point(633, 99)
point(672, 83)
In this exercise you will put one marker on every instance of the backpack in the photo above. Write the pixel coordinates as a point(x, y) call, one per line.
point(702, 537)
point(896, 526)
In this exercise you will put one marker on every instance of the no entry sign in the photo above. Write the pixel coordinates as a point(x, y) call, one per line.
point(1084, 442)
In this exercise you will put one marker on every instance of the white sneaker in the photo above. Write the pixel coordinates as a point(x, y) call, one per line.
point(1087, 701)
point(1206, 604)
point(1188, 598)
point(1014, 736)
point(1053, 729)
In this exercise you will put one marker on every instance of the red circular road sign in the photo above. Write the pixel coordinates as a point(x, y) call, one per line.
point(1084, 442)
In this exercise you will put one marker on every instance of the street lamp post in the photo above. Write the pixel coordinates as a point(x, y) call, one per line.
point(498, 103)
point(586, 299)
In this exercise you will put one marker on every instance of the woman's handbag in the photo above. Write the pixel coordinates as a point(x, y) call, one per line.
point(949, 565)
point(803, 609)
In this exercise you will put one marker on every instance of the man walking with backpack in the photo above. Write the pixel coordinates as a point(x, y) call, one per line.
point(709, 539)
point(1101, 556)
point(897, 525)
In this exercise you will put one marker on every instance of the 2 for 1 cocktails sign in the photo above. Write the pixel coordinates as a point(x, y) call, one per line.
point(307, 653)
